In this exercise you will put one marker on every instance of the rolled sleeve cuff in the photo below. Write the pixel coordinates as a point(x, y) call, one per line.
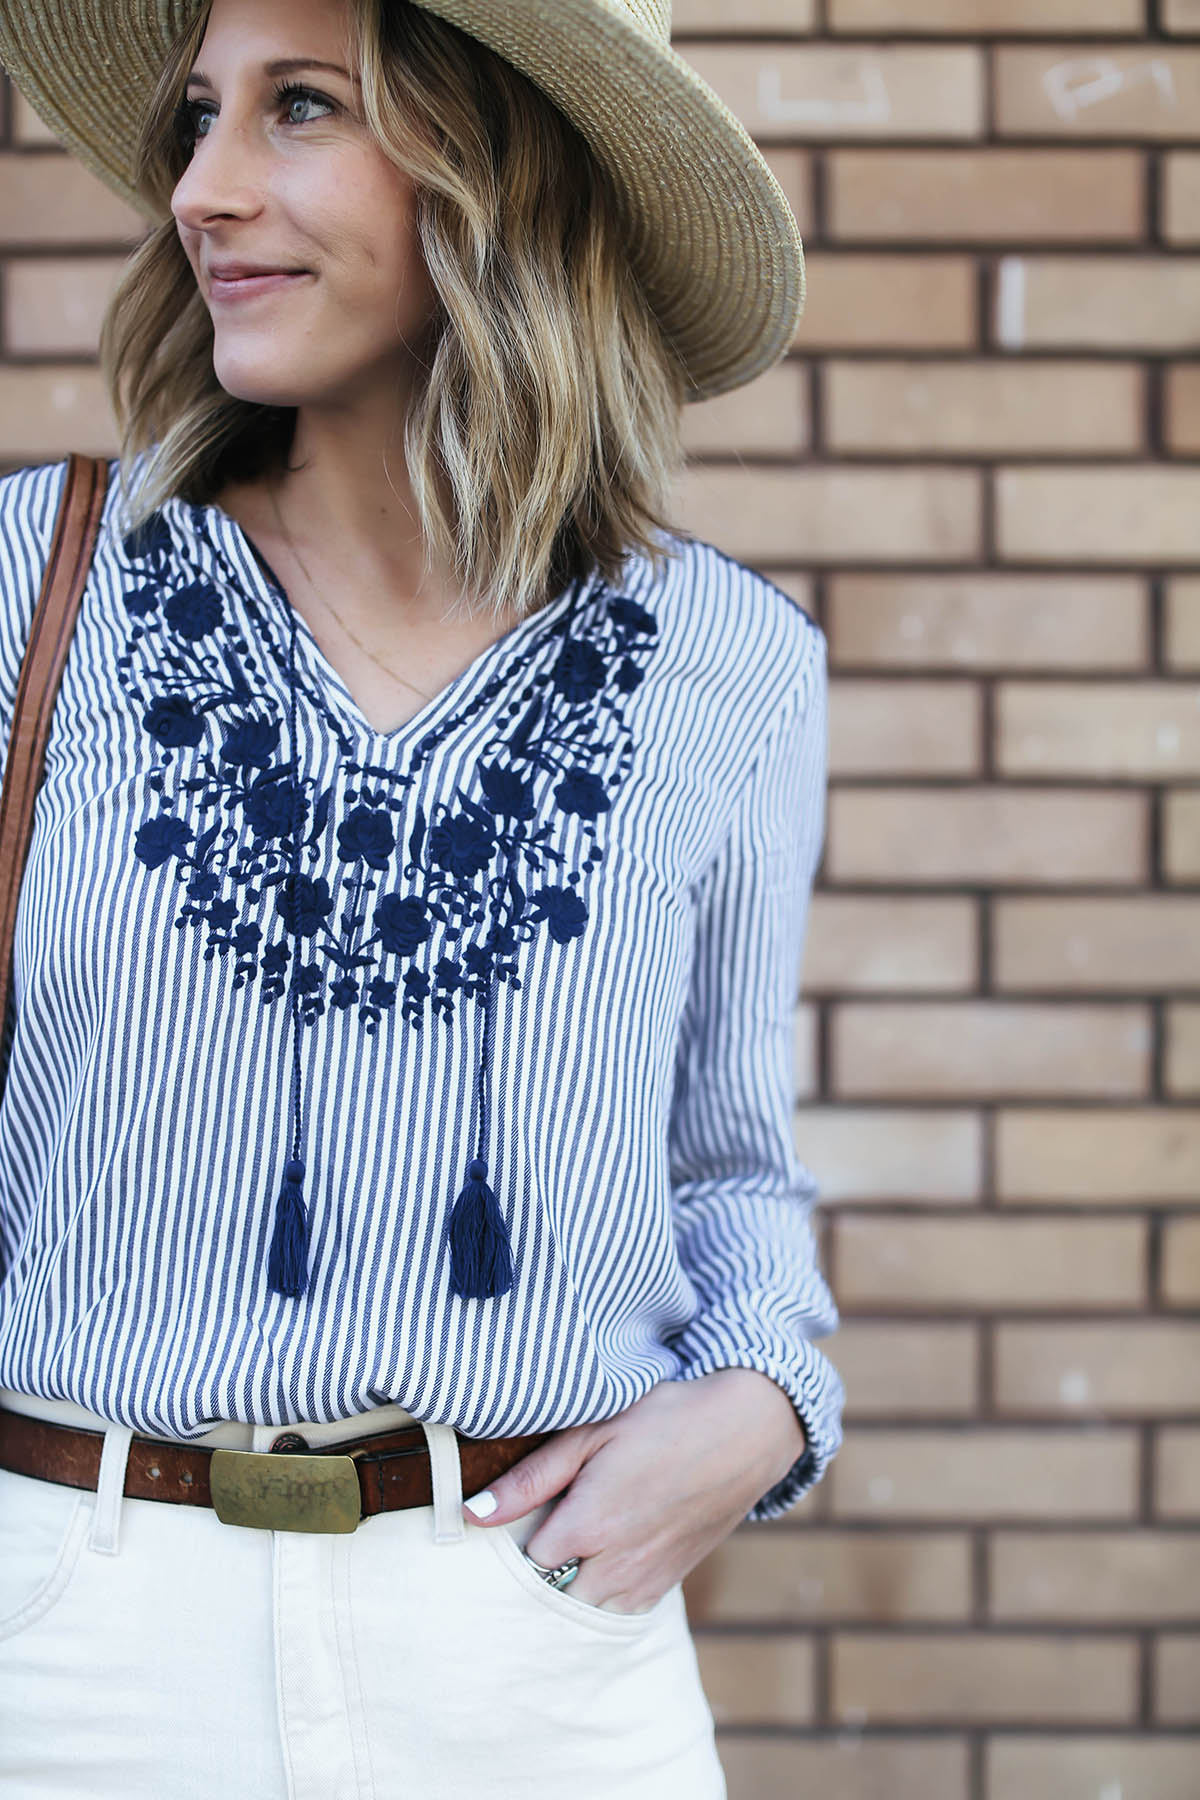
point(815, 1389)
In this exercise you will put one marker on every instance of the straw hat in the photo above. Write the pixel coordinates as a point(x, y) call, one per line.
point(712, 237)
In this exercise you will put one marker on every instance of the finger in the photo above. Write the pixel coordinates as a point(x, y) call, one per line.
point(538, 1477)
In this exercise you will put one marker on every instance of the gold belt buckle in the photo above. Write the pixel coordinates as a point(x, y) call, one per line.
point(276, 1492)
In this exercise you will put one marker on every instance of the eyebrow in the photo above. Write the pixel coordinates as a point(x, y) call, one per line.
point(288, 66)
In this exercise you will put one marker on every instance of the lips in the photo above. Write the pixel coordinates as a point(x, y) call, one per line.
point(234, 281)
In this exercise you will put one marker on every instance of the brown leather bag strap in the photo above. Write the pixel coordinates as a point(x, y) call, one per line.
point(45, 657)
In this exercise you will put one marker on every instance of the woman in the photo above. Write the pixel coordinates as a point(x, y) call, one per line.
point(400, 1079)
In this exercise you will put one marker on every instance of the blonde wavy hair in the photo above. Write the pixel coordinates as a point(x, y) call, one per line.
point(544, 435)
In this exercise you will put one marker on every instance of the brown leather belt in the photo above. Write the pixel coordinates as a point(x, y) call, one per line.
point(289, 1487)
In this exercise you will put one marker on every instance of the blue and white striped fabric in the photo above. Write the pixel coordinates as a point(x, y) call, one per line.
point(616, 812)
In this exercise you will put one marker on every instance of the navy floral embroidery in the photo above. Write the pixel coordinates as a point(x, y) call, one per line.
point(395, 908)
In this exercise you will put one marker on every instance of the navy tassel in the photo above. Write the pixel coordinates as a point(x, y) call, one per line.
point(287, 1260)
point(480, 1254)
point(287, 1265)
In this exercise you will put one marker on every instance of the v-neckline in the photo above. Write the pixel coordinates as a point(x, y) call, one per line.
point(418, 724)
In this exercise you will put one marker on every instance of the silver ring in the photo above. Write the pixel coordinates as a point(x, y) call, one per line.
point(560, 1577)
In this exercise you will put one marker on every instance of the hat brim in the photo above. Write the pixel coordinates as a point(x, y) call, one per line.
point(711, 235)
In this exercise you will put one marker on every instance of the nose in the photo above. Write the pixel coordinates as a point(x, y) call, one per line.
point(223, 180)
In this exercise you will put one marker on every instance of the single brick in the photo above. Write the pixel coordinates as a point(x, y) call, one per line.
point(909, 1676)
point(1177, 1678)
point(44, 412)
point(905, 727)
point(1181, 835)
point(1145, 1368)
point(1122, 514)
point(839, 91)
point(1183, 1050)
point(53, 305)
point(1102, 729)
point(986, 196)
point(1177, 1472)
point(1181, 197)
point(1098, 302)
point(863, 943)
point(757, 1680)
point(966, 18)
point(866, 1154)
point(798, 1577)
point(1183, 622)
point(902, 1369)
point(49, 199)
point(1118, 1155)
point(859, 301)
point(983, 1048)
point(983, 408)
point(1116, 1576)
point(1150, 943)
point(983, 621)
point(1181, 1265)
point(1134, 1767)
point(888, 1768)
point(1182, 16)
point(834, 514)
point(1134, 91)
point(739, 18)
point(991, 834)
point(1183, 410)
point(986, 1473)
point(769, 417)
point(983, 1263)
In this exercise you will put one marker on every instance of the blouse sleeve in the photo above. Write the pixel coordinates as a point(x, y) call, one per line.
point(741, 1196)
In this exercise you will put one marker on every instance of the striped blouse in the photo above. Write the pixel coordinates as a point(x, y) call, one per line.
point(553, 921)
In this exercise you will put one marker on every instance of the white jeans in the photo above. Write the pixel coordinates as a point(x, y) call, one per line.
point(147, 1651)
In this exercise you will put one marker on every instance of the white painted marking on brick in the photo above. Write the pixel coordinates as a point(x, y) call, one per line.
point(875, 107)
point(1085, 81)
point(881, 1489)
point(1075, 1388)
point(1010, 304)
point(1112, 1790)
point(1167, 739)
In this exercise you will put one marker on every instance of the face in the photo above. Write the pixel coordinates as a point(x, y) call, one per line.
point(284, 177)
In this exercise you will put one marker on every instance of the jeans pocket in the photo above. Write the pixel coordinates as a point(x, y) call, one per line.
point(42, 1531)
point(506, 1545)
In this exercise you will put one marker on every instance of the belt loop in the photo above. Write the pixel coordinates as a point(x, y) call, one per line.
point(449, 1526)
point(110, 1491)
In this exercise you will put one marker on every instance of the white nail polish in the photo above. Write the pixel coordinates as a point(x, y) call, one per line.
point(482, 1505)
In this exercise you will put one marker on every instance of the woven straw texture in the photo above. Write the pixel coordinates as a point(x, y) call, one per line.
point(711, 234)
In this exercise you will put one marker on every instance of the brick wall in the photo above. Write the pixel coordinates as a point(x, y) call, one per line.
point(979, 470)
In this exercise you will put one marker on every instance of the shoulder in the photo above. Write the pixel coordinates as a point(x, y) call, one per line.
point(748, 639)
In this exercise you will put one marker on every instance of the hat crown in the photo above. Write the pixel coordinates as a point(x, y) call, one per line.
point(654, 16)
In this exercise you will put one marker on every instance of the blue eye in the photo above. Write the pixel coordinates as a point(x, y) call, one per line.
point(290, 94)
point(192, 116)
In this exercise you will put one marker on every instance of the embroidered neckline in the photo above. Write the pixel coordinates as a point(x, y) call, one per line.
point(374, 922)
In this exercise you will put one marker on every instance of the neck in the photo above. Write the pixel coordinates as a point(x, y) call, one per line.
point(347, 499)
